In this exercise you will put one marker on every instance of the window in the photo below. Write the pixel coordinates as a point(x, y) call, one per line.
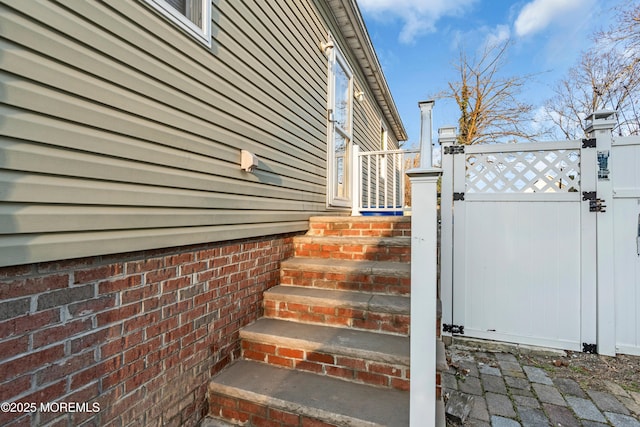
point(193, 16)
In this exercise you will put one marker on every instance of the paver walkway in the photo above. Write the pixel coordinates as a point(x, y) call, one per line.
point(509, 393)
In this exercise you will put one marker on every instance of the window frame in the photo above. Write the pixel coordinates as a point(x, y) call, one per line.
point(337, 59)
point(200, 33)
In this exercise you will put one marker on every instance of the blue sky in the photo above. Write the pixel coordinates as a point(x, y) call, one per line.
point(417, 42)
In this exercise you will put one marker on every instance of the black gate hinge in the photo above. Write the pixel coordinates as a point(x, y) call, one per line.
point(454, 329)
point(458, 196)
point(589, 143)
point(595, 204)
point(589, 348)
point(454, 149)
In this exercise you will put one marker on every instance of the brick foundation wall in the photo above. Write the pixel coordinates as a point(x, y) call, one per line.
point(138, 334)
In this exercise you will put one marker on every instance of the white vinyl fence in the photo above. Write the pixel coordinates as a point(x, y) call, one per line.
point(540, 241)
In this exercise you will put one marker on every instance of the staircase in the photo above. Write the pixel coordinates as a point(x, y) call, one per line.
point(333, 346)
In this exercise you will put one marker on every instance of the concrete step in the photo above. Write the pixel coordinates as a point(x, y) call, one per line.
point(359, 356)
point(209, 421)
point(251, 393)
point(397, 249)
point(358, 310)
point(369, 276)
point(365, 226)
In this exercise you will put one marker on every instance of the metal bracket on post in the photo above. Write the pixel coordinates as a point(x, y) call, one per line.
point(588, 195)
point(458, 196)
point(454, 149)
point(589, 143)
point(589, 348)
point(595, 204)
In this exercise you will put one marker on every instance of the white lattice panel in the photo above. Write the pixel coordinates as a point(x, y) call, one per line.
point(555, 171)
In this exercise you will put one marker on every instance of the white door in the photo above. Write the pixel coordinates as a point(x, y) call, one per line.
point(625, 171)
point(340, 130)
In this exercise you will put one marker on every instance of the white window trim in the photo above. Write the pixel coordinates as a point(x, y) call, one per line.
point(384, 142)
point(384, 136)
point(202, 34)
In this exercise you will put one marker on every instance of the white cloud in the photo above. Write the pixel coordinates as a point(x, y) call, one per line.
point(498, 35)
point(418, 16)
point(537, 15)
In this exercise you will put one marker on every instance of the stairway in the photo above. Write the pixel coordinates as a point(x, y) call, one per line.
point(333, 346)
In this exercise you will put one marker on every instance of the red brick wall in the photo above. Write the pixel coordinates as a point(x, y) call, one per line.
point(139, 334)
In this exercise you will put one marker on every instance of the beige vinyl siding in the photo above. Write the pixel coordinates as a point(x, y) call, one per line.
point(119, 132)
point(368, 135)
point(368, 124)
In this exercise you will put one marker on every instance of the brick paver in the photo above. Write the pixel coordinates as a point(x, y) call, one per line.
point(493, 384)
point(607, 402)
point(570, 387)
point(499, 404)
point(549, 394)
point(509, 393)
point(537, 375)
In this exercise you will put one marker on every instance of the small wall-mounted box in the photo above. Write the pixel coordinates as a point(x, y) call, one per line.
point(248, 161)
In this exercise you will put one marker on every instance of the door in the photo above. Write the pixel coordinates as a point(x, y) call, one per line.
point(340, 130)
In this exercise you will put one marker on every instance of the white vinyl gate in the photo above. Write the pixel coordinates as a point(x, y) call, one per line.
point(625, 158)
point(528, 243)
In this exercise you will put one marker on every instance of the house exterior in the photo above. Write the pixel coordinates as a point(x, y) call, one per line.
point(133, 247)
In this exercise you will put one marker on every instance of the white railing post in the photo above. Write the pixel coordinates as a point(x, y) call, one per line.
point(600, 125)
point(356, 179)
point(446, 137)
point(426, 124)
point(424, 229)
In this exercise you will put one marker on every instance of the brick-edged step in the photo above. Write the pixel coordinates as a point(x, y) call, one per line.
point(382, 226)
point(397, 249)
point(353, 355)
point(260, 394)
point(368, 276)
point(359, 310)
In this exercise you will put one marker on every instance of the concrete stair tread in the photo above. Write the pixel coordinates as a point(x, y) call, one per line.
point(395, 304)
point(351, 240)
point(374, 346)
point(215, 422)
point(328, 399)
point(388, 268)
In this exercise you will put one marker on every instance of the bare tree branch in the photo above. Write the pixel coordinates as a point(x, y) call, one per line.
point(607, 77)
point(489, 108)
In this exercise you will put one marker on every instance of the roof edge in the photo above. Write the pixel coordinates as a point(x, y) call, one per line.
point(376, 79)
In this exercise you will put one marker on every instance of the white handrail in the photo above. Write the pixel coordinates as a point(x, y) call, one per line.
point(381, 181)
